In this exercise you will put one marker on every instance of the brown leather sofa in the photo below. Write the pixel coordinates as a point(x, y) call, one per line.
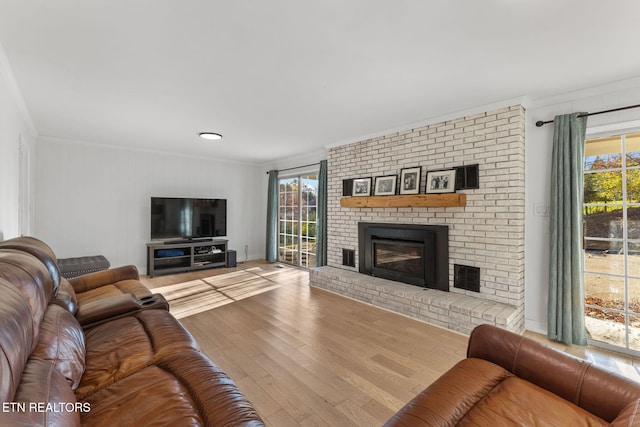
point(510, 380)
point(88, 352)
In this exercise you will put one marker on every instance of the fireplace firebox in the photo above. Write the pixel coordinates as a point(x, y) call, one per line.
point(408, 253)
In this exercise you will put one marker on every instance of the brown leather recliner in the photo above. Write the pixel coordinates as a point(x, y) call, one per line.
point(126, 367)
point(87, 288)
point(508, 379)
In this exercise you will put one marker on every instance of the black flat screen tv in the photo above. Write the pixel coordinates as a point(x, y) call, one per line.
point(186, 218)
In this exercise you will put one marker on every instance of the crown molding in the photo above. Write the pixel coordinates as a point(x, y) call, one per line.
point(7, 74)
point(43, 139)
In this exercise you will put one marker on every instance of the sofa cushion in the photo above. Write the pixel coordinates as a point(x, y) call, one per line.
point(40, 250)
point(476, 392)
point(107, 309)
point(48, 399)
point(61, 342)
point(446, 401)
point(16, 338)
point(518, 402)
point(180, 389)
point(125, 345)
point(30, 277)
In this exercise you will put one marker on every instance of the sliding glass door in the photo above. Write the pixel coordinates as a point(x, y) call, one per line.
point(297, 219)
point(612, 241)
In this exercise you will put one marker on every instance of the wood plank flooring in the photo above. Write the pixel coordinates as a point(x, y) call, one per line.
point(307, 357)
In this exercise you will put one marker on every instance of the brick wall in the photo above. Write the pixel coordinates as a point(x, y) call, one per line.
point(488, 233)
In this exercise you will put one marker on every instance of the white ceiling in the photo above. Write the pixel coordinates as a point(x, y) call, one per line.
point(278, 78)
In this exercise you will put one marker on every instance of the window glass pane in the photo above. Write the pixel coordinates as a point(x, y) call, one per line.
point(309, 189)
point(603, 153)
point(634, 332)
point(634, 305)
point(604, 291)
point(603, 262)
point(633, 224)
point(633, 185)
point(634, 295)
point(604, 222)
point(632, 149)
point(603, 187)
point(633, 263)
point(606, 326)
point(597, 247)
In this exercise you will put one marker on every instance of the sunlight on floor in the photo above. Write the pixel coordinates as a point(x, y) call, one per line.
point(195, 296)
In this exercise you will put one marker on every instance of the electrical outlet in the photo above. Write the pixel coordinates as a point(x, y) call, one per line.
point(540, 209)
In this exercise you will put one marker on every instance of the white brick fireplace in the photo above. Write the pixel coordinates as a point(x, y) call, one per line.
point(487, 233)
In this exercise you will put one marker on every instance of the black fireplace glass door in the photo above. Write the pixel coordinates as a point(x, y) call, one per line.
point(391, 257)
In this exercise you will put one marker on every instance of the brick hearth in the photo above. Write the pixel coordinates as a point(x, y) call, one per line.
point(447, 309)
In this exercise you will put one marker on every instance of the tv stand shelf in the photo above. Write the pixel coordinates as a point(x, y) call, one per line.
point(186, 255)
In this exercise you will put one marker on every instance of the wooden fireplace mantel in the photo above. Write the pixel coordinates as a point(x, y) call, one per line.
point(406, 201)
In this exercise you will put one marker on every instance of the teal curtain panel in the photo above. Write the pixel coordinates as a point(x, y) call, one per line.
point(321, 218)
point(566, 281)
point(271, 252)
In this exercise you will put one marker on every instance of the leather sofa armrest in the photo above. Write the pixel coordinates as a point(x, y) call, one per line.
point(107, 308)
point(600, 392)
point(105, 277)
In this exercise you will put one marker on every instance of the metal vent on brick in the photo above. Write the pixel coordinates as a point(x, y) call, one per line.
point(467, 177)
point(349, 257)
point(466, 277)
point(347, 187)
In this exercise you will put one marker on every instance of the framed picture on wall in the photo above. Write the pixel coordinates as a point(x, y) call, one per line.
point(410, 180)
point(385, 185)
point(362, 187)
point(443, 181)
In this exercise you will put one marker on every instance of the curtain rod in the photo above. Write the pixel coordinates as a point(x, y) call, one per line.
point(297, 167)
point(540, 123)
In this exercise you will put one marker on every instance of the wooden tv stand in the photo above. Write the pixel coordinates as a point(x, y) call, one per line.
point(188, 255)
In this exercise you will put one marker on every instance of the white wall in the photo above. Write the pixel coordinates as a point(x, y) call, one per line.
point(295, 164)
point(96, 199)
point(537, 171)
point(14, 126)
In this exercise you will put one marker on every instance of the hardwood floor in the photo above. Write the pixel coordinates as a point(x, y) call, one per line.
point(307, 357)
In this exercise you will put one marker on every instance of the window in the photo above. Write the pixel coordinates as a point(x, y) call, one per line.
point(612, 241)
point(297, 220)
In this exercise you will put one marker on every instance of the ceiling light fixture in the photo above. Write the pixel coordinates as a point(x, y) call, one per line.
point(210, 135)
